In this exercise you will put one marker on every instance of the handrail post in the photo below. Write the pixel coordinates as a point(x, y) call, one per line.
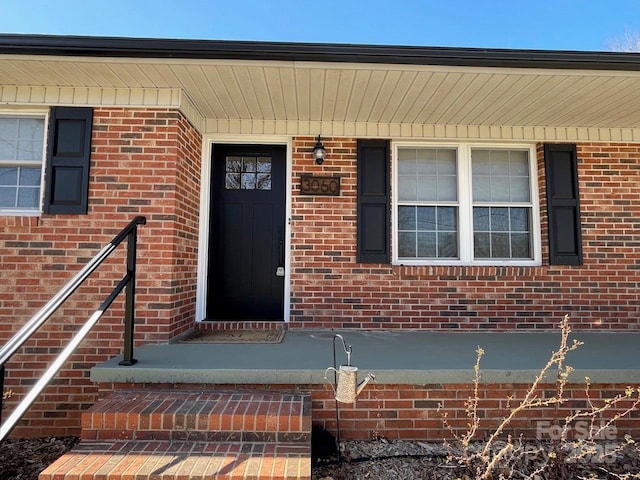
point(129, 301)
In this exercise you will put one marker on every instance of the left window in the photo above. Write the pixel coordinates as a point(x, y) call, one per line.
point(22, 141)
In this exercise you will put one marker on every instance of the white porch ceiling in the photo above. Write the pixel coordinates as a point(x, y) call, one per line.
point(355, 92)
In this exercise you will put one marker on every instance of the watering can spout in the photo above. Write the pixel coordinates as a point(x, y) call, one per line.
point(369, 378)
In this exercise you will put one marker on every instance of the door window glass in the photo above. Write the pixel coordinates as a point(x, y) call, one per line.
point(247, 173)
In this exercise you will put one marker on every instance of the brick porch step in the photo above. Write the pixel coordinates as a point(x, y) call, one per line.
point(156, 434)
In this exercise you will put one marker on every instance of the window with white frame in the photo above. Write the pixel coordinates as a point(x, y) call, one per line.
point(463, 204)
point(21, 163)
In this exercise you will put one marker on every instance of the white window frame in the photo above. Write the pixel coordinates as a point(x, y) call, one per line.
point(40, 114)
point(465, 206)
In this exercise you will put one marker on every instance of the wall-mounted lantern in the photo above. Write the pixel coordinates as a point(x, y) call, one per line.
point(319, 153)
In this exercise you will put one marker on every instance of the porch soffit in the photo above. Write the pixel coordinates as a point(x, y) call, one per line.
point(284, 95)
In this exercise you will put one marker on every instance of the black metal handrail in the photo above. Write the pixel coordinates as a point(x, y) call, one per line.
point(39, 319)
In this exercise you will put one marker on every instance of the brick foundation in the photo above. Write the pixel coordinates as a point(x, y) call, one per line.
point(412, 412)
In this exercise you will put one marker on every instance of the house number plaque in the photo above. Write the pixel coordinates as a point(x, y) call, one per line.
point(312, 185)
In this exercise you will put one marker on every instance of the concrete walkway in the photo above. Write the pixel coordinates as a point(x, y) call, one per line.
point(394, 357)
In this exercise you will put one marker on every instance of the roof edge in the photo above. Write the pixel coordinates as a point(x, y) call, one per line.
point(88, 46)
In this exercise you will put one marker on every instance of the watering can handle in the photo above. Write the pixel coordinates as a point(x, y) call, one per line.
point(326, 372)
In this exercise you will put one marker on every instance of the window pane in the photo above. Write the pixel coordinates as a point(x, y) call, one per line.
point(427, 218)
point(29, 151)
point(519, 219)
point(519, 189)
point(21, 141)
point(500, 245)
point(407, 161)
point(500, 189)
point(8, 138)
point(481, 164)
point(447, 189)
point(264, 164)
point(232, 181)
point(7, 148)
point(8, 176)
point(248, 181)
point(406, 218)
point(234, 164)
point(447, 219)
point(407, 188)
point(8, 128)
point(427, 232)
point(407, 244)
point(427, 188)
point(500, 176)
point(427, 244)
point(448, 245)
point(427, 174)
point(248, 164)
point(499, 162)
point(501, 232)
point(499, 219)
point(31, 129)
point(28, 197)
point(519, 163)
point(482, 188)
point(447, 162)
point(427, 166)
point(481, 245)
point(481, 219)
point(520, 245)
point(264, 181)
point(8, 197)
point(30, 139)
point(30, 176)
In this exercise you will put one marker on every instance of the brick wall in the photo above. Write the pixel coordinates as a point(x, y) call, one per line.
point(330, 290)
point(416, 412)
point(143, 162)
point(148, 162)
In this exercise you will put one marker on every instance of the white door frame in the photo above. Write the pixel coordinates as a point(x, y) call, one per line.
point(208, 141)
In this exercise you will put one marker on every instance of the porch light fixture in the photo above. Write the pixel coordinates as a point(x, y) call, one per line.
point(319, 153)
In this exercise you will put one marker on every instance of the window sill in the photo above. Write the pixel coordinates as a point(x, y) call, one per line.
point(448, 263)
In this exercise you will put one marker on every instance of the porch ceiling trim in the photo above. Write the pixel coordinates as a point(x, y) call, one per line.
point(421, 131)
point(352, 90)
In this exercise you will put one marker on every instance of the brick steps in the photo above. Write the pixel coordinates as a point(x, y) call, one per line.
point(162, 435)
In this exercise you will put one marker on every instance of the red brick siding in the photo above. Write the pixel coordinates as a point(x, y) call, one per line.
point(330, 290)
point(148, 162)
point(143, 162)
point(412, 411)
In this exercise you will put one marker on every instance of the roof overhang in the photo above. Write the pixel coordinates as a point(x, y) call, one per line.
point(218, 82)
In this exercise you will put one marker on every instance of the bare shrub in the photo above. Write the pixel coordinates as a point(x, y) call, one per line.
point(582, 436)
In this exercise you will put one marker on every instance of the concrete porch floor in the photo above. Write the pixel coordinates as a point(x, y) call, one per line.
point(394, 357)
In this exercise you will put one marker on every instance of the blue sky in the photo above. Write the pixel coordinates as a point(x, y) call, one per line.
point(538, 24)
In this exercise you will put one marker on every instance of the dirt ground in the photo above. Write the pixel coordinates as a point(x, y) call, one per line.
point(25, 459)
point(386, 460)
point(369, 460)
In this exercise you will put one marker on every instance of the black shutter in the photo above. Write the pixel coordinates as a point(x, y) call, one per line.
point(68, 154)
point(373, 202)
point(563, 204)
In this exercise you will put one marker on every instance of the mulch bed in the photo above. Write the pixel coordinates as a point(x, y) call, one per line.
point(24, 459)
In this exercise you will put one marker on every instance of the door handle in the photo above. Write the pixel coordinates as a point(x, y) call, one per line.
point(281, 252)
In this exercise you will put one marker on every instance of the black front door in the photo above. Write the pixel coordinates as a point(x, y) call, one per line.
point(247, 244)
